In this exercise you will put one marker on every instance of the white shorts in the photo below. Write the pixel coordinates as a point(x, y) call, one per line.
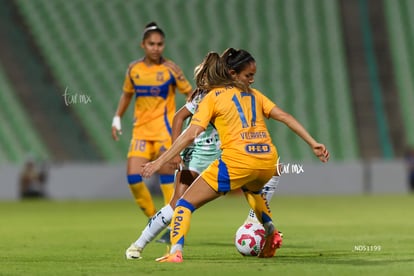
point(198, 160)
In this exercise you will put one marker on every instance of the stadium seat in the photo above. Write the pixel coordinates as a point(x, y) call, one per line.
point(297, 44)
point(18, 138)
point(400, 21)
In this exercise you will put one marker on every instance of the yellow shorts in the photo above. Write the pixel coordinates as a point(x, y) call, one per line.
point(148, 149)
point(223, 179)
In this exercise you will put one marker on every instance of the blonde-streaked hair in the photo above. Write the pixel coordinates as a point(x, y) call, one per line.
point(213, 72)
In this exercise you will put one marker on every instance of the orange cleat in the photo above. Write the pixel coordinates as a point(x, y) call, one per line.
point(176, 257)
point(272, 243)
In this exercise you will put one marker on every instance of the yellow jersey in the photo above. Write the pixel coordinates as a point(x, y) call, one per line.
point(239, 119)
point(154, 87)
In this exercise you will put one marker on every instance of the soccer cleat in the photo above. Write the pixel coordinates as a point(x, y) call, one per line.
point(133, 252)
point(176, 257)
point(273, 242)
point(165, 238)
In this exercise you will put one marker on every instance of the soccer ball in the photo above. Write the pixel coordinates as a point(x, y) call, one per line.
point(249, 239)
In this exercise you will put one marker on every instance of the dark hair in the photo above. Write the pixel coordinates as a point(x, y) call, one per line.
point(213, 72)
point(237, 59)
point(151, 28)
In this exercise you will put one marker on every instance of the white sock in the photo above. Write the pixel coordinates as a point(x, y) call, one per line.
point(156, 224)
point(251, 217)
point(176, 247)
point(268, 190)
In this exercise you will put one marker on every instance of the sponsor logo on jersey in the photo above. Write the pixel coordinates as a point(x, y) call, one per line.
point(257, 148)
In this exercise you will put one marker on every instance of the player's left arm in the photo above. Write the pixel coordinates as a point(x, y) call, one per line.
point(280, 115)
point(181, 81)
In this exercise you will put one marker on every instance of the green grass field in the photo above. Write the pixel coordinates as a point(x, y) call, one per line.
point(331, 235)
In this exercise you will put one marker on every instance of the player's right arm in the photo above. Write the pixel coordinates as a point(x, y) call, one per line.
point(177, 126)
point(122, 107)
point(123, 104)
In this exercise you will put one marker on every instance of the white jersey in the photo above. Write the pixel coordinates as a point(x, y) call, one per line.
point(205, 148)
point(208, 141)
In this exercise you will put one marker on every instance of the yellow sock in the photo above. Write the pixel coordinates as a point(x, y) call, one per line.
point(167, 186)
point(167, 192)
point(259, 205)
point(180, 224)
point(143, 198)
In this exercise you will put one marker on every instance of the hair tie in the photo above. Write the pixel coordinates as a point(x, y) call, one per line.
point(240, 62)
point(150, 28)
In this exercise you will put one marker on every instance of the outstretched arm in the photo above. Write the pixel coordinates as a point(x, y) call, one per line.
point(182, 141)
point(318, 149)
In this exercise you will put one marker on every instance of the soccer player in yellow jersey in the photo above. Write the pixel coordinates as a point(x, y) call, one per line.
point(153, 81)
point(195, 158)
point(248, 156)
